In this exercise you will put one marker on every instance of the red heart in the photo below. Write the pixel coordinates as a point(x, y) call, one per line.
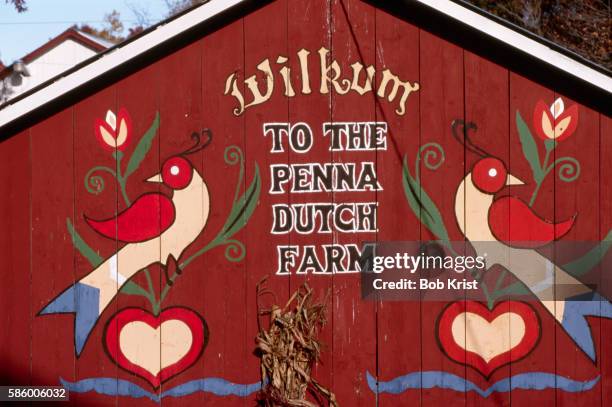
point(135, 341)
point(488, 342)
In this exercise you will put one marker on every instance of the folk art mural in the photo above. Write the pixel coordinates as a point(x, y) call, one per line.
point(158, 203)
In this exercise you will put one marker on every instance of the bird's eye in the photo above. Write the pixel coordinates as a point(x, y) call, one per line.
point(489, 175)
point(177, 172)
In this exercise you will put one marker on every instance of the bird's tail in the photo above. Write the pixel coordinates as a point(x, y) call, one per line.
point(83, 301)
point(574, 319)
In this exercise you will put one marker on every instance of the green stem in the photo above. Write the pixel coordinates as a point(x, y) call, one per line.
point(539, 182)
point(77, 241)
point(478, 275)
point(214, 243)
point(156, 307)
point(490, 299)
point(500, 280)
point(149, 282)
point(516, 288)
point(566, 161)
point(152, 301)
point(94, 184)
point(166, 290)
point(122, 188)
point(535, 193)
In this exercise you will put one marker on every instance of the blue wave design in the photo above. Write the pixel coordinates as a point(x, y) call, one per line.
point(117, 387)
point(109, 386)
point(445, 380)
point(215, 385)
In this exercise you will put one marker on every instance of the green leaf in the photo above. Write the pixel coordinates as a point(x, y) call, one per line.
point(132, 288)
point(83, 248)
point(117, 155)
point(550, 145)
point(252, 197)
point(242, 208)
point(242, 212)
point(516, 288)
point(411, 195)
point(424, 207)
point(592, 258)
point(530, 149)
point(143, 147)
point(577, 267)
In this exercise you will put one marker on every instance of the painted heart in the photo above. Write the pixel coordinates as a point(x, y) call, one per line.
point(156, 348)
point(471, 334)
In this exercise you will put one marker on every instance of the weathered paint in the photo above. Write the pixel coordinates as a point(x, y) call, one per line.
point(220, 228)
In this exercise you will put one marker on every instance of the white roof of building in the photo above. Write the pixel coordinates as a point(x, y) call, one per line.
point(101, 41)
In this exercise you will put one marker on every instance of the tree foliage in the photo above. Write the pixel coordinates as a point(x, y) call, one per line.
point(176, 6)
point(583, 26)
point(112, 28)
point(20, 5)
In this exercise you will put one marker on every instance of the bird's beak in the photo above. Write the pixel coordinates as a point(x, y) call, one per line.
point(512, 180)
point(155, 178)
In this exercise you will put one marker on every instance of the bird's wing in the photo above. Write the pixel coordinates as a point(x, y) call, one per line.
point(567, 299)
point(515, 224)
point(148, 217)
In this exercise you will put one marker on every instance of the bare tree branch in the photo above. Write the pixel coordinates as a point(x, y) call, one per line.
point(20, 5)
point(583, 26)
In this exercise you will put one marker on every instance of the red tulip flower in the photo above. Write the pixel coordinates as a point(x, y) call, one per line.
point(115, 131)
point(555, 122)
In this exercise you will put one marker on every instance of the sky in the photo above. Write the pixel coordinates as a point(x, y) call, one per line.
point(21, 33)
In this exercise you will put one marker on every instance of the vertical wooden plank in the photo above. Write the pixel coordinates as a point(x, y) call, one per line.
point(96, 201)
point(399, 345)
point(15, 250)
point(524, 95)
point(52, 255)
point(180, 106)
point(487, 106)
point(570, 199)
point(224, 288)
point(261, 45)
point(309, 29)
point(354, 320)
point(605, 209)
point(442, 102)
point(138, 95)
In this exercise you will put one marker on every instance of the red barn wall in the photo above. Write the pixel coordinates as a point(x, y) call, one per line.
point(49, 191)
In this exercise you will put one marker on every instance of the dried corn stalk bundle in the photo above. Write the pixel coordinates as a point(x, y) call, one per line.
point(289, 348)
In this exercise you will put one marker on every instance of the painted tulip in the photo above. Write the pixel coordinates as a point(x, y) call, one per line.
point(555, 122)
point(115, 131)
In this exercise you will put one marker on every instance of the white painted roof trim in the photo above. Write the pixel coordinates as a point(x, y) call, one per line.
point(112, 59)
point(521, 42)
point(164, 32)
point(96, 39)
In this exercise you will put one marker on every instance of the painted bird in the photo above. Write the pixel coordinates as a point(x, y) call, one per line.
point(156, 228)
point(506, 231)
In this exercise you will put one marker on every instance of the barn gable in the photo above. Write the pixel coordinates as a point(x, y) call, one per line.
point(152, 188)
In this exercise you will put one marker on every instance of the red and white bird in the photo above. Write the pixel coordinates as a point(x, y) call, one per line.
point(506, 232)
point(510, 220)
point(151, 214)
point(157, 229)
